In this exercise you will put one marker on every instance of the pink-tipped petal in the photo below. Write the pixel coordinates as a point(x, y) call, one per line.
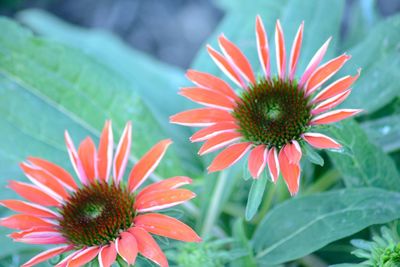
point(321, 141)
point(127, 247)
point(157, 200)
point(164, 225)
point(201, 117)
point(122, 153)
point(107, 255)
point(280, 50)
point(213, 130)
point(76, 162)
point(28, 208)
point(293, 152)
point(219, 141)
point(229, 156)
point(105, 154)
point(48, 236)
point(295, 51)
point(330, 103)
point(24, 222)
point(167, 184)
point(148, 247)
point(45, 255)
point(262, 47)
point(83, 257)
point(64, 262)
point(147, 164)
point(334, 116)
point(207, 98)
point(290, 171)
point(257, 160)
point(316, 59)
point(33, 194)
point(88, 156)
point(273, 164)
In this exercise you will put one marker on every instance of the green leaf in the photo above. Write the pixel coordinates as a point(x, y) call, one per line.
point(365, 164)
point(242, 242)
point(311, 154)
point(255, 195)
point(302, 225)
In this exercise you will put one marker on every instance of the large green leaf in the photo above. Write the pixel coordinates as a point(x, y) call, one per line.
point(363, 163)
point(302, 225)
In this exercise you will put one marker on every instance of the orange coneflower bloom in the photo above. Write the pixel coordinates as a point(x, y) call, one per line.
point(272, 115)
point(102, 217)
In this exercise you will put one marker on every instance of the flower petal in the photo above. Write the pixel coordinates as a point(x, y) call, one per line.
point(148, 247)
point(83, 257)
point(105, 154)
point(330, 103)
point(33, 194)
point(107, 255)
point(88, 156)
point(49, 236)
point(157, 200)
point(167, 184)
point(219, 141)
point(213, 130)
point(122, 153)
point(24, 222)
point(28, 208)
point(280, 50)
point(147, 164)
point(334, 116)
point(262, 47)
point(201, 117)
point(163, 225)
point(257, 160)
point(321, 141)
point(273, 164)
point(293, 152)
point(45, 255)
point(76, 162)
point(229, 156)
point(295, 51)
point(290, 171)
point(207, 98)
point(127, 247)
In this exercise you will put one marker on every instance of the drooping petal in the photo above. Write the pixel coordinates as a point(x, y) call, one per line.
point(257, 160)
point(213, 130)
point(157, 200)
point(280, 50)
point(330, 103)
point(64, 262)
point(219, 141)
point(229, 156)
point(127, 247)
point(201, 117)
point(290, 172)
point(226, 67)
point(40, 237)
point(336, 88)
point(233, 53)
point(88, 156)
point(262, 47)
point(24, 222)
point(295, 51)
point(45, 255)
point(107, 255)
point(293, 152)
point(321, 141)
point(122, 153)
point(334, 116)
point(28, 208)
point(105, 154)
point(76, 162)
point(273, 164)
point(62, 175)
point(147, 164)
point(164, 225)
point(167, 184)
point(33, 194)
point(314, 62)
point(207, 98)
point(323, 73)
point(83, 257)
point(211, 82)
point(148, 247)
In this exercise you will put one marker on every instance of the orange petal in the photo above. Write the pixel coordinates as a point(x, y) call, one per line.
point(273, 164)
point(88, 156)
point(219, 141)
point(127, 247)
point(107, 255)
point(293, 152)
point(336, 87)
point(236, 56)
point(105, 154)
point(213, 130)
point(323, 73)
point(262, 47)
point(226, 67)
point(229, 156)
point(28, 208)
point(64, 262)
point(207, 98)
point(280, 50)
point(295, 52)
point(83, 257)
point(201, 117)
point(163, 225)
point(290, 172)
point(45, 255)
point(148, 247)
point(39, 236)
point(321, 141)
point(167, 184)
point(334, 116)
point(330, 103)
point(147, 164)
point(211, 82)
point(33, 194)
point(257, 160)
point(24, 221)
point(76, 162)
point(122, 153)
point(62, 175)
point(156, 200)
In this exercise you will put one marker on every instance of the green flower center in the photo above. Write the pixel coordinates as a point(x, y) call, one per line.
point(273, 113)
point(96, 214)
